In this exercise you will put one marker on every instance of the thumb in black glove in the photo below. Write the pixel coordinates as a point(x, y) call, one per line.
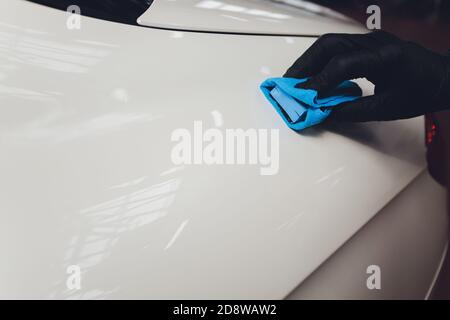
point(409, 79)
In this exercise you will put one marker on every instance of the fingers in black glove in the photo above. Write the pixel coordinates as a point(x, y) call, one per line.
point(409, 80)
point(330, 45)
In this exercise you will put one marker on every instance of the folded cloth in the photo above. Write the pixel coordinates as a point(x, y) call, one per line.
point(301, 108)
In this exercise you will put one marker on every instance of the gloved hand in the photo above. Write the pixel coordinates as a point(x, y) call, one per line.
point(409, 79)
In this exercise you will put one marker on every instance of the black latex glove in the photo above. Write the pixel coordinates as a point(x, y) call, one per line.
point(409, 79)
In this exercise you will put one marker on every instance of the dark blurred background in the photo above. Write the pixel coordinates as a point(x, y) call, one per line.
point(426, 22)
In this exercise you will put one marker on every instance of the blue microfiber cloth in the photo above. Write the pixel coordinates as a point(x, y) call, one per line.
point(301, 108)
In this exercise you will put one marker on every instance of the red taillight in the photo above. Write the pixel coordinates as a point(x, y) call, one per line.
point(430, 129)
point(435, 149)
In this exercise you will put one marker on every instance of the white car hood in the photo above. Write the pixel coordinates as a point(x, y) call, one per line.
point(86, 120)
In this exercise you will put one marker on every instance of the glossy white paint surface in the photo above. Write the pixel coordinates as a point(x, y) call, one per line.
point(248, 16)
point(87, 179)
point(407, 240)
